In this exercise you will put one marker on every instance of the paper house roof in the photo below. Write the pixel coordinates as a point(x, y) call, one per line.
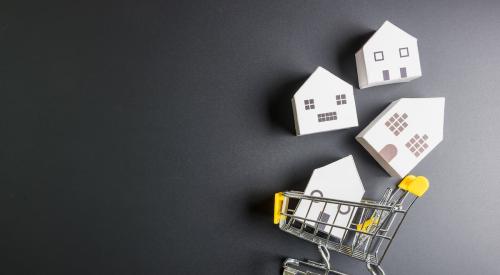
point(338, 180)
point(324, 103)
point(389, 56)
point(404, 133)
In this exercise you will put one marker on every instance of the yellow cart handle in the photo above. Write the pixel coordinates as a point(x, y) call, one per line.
point(415, 185)
point(278, 202)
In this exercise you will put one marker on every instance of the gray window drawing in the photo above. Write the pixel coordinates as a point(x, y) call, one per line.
point(417, 144)
point(403, 52)
point(379, 56)
point(341, 99)
point(397, 123)
point(344, 209)
point(388, 152)
point(385, 73)
point(317, 193)
point(402, 71)
point(327, 116)
point(309, 103)
point(322, 217)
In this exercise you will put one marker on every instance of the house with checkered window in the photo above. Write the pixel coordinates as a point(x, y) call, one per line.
point(323, 103)
point(404, 133)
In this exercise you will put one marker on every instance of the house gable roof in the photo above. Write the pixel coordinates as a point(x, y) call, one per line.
point(430, 112)
point(385, 32)
point(321, 80)
point(343, 174)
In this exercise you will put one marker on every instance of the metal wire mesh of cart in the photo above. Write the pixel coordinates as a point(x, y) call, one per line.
point(370, 230)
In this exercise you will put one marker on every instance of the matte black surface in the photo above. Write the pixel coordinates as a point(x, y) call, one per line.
point(148, 137)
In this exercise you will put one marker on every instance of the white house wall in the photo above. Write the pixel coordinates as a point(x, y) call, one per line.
point(389, 40)
point(361, 69)
point(423, 118)
point(323, 87)
point(338, 180)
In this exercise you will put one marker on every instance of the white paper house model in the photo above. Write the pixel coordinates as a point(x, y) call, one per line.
point(323, 103)
point(338, 180)
point(389, 56)
point(404, 133)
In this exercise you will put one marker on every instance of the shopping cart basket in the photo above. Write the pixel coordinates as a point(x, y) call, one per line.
point(371, 229)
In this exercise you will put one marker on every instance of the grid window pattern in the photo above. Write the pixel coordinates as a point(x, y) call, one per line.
point(397, 123)
point(417, 144)
point(341, 99)
point(327, 116)
point(309, 103)
point(403, 52)
point(379, 56)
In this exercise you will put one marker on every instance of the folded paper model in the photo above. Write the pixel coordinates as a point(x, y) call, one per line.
point(404, 133)
point(389, 56)
point(338, 180)
point(323, 103)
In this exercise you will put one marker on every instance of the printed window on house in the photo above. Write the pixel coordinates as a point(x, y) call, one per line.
point(379, 56)
point(397, 123)
point(403, 52)
point(323, 217)
point(402, 72)
point(327, 116)
point(417, 144)
point(309, 103)
point(341, 99)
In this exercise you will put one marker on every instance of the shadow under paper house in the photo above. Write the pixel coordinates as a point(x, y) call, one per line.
point(280, 106)
point(345, 59)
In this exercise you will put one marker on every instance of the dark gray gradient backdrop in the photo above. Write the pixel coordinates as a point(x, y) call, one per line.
point(148, 137)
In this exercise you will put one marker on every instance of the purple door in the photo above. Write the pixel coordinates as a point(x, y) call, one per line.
point(385, 73)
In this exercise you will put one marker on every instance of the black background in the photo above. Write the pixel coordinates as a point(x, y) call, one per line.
point(148, 137)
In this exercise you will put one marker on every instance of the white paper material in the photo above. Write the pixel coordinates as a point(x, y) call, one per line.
point(324, 103)
point(338, 180)
point(389, 56)
point(404, 133)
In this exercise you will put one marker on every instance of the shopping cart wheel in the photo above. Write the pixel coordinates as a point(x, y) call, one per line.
point(296, 267)
point(375, 269)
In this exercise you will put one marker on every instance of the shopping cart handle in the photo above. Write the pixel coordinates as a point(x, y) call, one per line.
point(278, 201)
point(415, 185)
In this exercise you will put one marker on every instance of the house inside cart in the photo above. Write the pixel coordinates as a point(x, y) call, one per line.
point(323, 103)
point(389, 56)
point(338, 180)
point(404, 133)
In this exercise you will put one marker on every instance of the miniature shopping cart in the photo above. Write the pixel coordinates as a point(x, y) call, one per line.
point(370, 230)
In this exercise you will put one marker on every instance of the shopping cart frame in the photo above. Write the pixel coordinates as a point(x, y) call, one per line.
point(365, 239)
